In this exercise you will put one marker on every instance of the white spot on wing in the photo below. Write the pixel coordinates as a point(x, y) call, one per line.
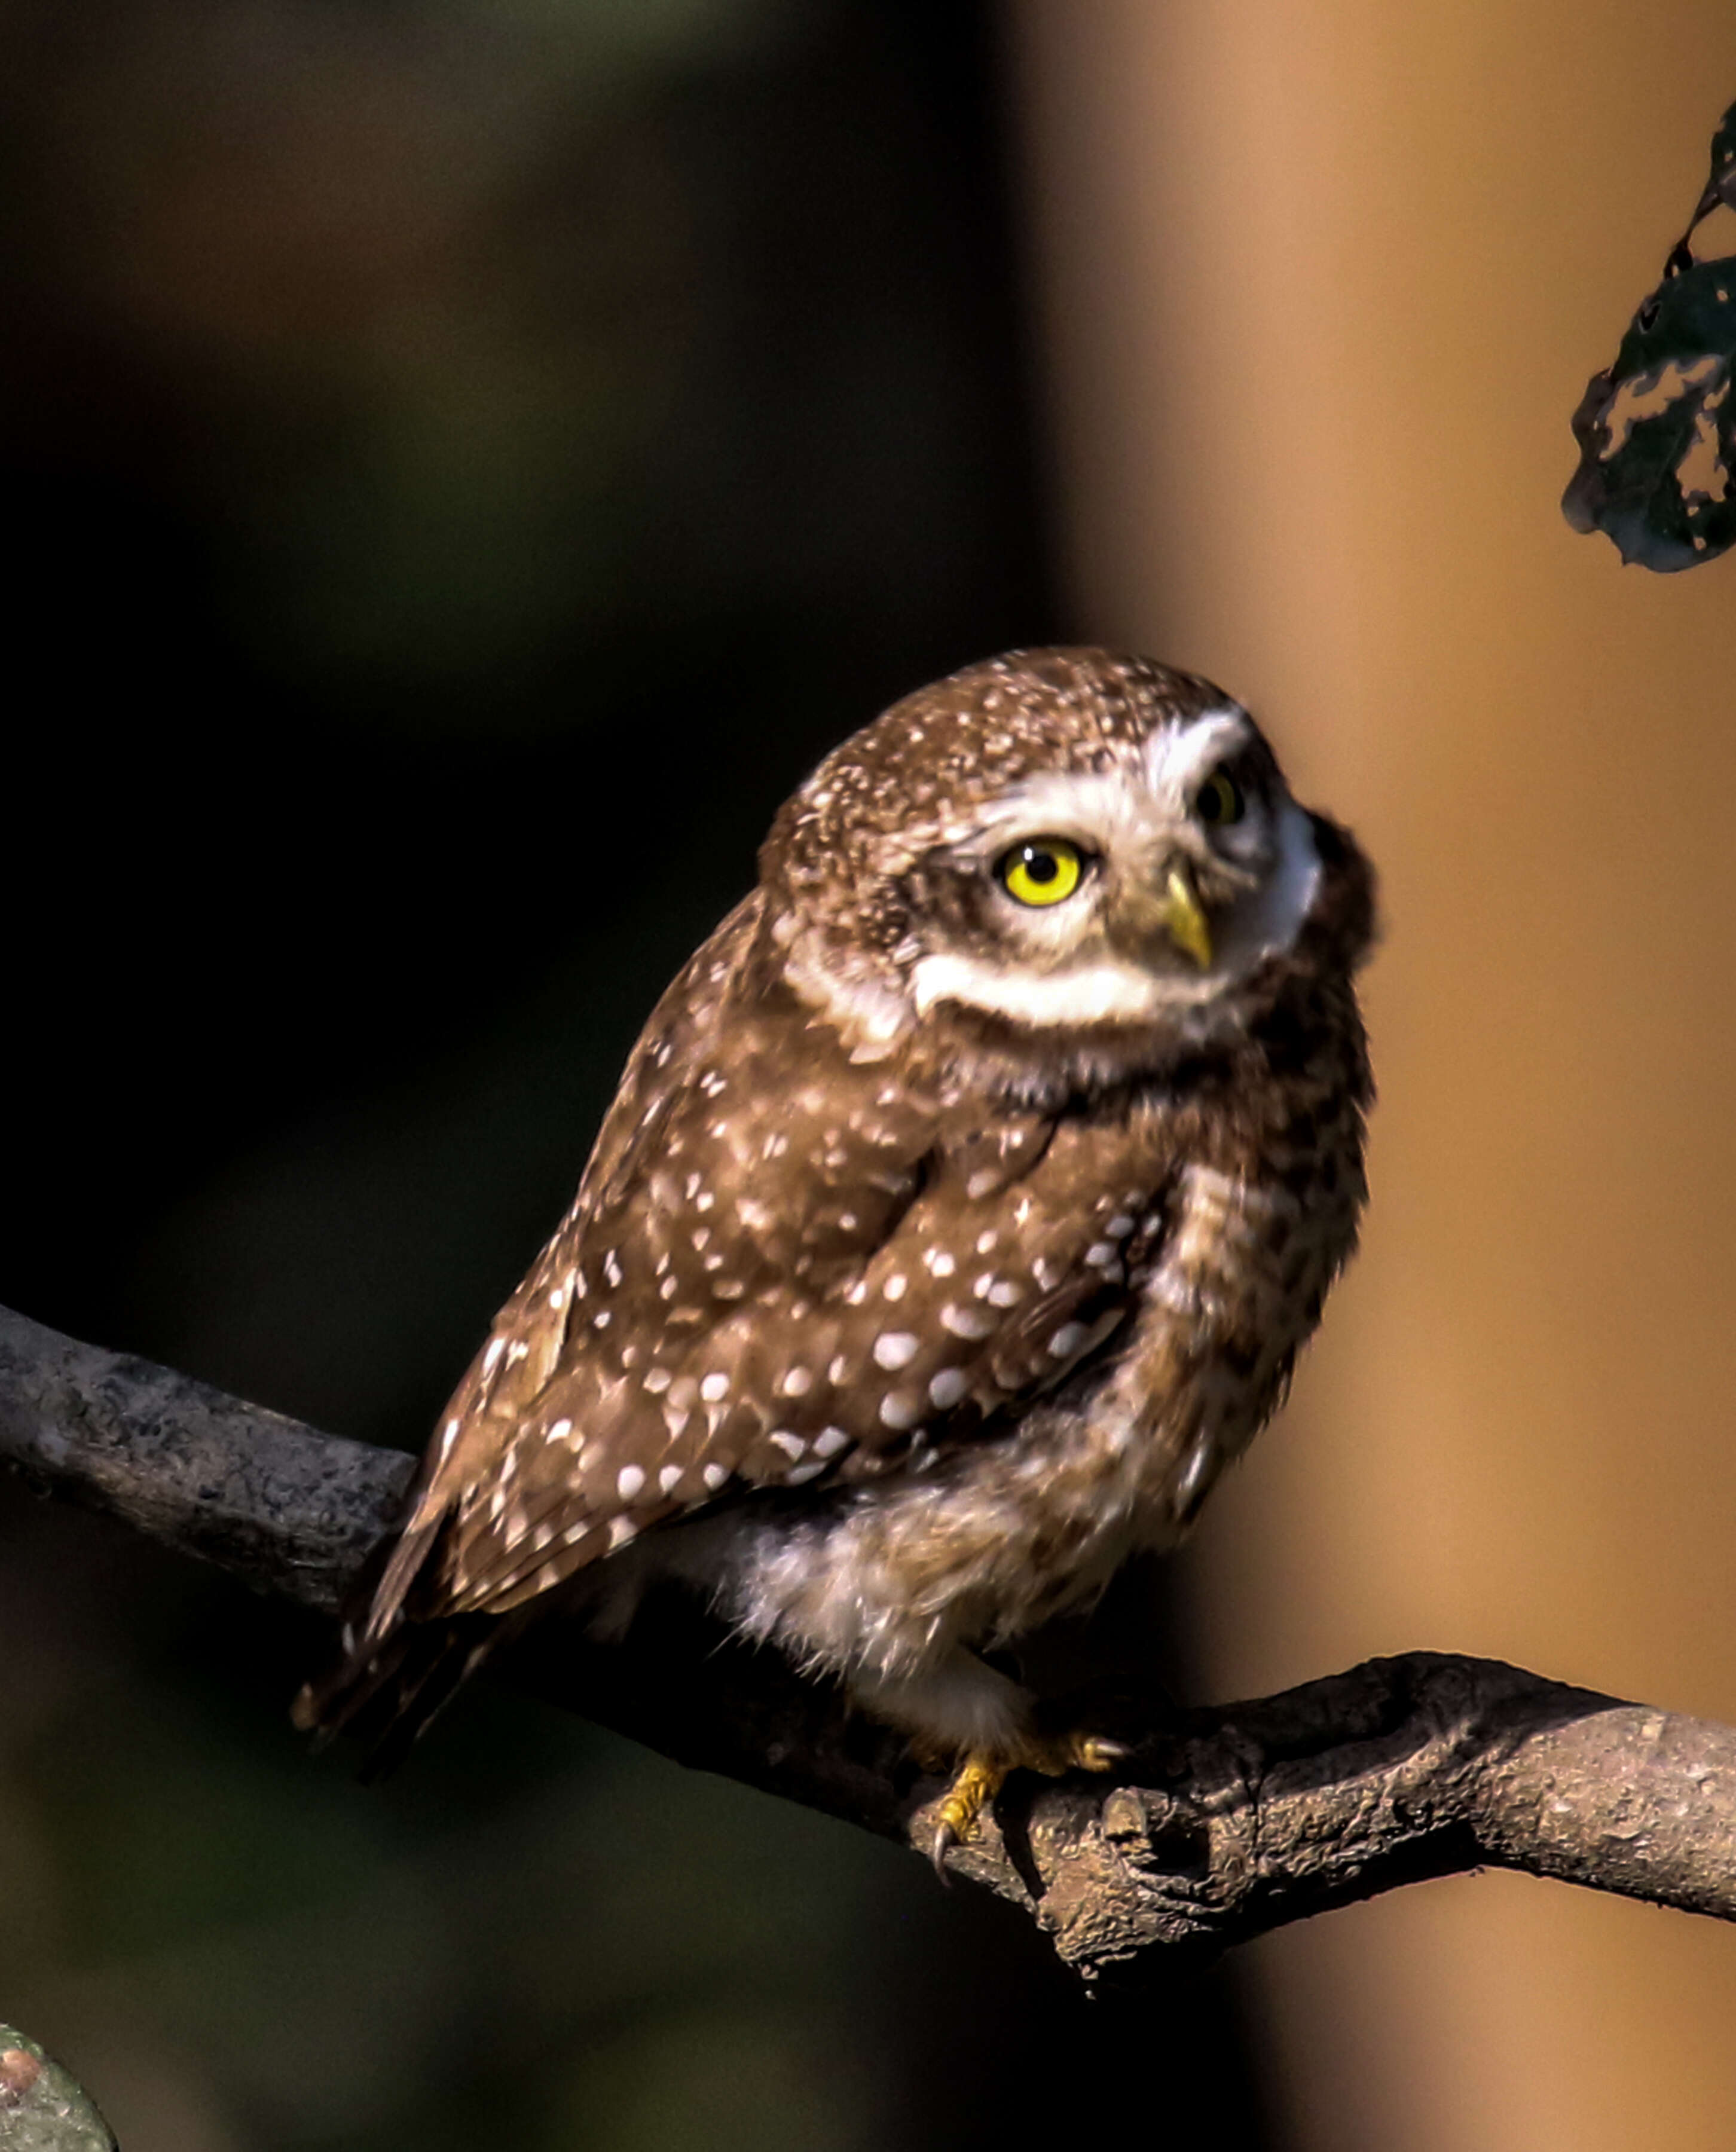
point(966, 1321)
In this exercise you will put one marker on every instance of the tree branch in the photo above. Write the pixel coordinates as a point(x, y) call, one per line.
point(1221, 1824)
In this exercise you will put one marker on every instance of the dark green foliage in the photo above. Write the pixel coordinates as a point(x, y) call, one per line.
point(1657, 432)
point(43, 2109)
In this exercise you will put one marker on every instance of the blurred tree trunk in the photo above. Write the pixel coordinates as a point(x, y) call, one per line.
point(1322, 286)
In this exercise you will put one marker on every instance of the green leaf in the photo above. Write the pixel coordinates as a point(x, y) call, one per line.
point(1657, 432)
point(43, 2109)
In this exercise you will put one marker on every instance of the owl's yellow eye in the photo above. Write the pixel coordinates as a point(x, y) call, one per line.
point(1219, 800)
point(1041, 871)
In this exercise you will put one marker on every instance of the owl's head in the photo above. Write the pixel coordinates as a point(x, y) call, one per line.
point(1063, 842)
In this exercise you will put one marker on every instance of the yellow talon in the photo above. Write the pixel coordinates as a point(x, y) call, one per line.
point(974, 1785)
point(979, 1779)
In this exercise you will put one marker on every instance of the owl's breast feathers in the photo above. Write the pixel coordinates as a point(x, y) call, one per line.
point(786, 1268)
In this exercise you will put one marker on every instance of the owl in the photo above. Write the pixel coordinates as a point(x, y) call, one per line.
point(958, 1218)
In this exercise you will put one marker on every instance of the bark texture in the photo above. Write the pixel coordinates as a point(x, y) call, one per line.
point(1220, 1823)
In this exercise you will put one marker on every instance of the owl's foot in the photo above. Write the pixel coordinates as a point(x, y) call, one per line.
point(974, 1785)
point(1084, 1751)
point(979, 1777)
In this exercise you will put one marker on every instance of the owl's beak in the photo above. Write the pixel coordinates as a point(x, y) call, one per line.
point(1184, 917)
point(1144, 910)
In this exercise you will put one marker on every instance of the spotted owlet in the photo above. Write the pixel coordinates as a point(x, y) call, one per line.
point(958, 1218)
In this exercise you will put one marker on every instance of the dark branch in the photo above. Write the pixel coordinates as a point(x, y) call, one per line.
point(1222, 1824)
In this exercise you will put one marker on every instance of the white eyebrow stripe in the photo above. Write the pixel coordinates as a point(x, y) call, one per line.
point(1176, 756)
point(1104, 806)
point(1093, 804)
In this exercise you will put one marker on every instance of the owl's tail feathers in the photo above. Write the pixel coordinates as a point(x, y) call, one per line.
point(402, 1664)
point(396, 1673)
point(389, 1692)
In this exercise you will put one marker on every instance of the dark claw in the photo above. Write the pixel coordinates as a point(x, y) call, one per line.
point(940, 1845)
point(1112, 1752)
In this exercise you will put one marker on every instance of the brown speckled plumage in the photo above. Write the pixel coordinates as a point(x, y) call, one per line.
point(997, 1244)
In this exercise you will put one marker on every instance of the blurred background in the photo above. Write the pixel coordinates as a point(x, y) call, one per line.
point(466, 463)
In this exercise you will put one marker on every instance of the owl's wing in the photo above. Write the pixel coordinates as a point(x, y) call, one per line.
point(782, 1267)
